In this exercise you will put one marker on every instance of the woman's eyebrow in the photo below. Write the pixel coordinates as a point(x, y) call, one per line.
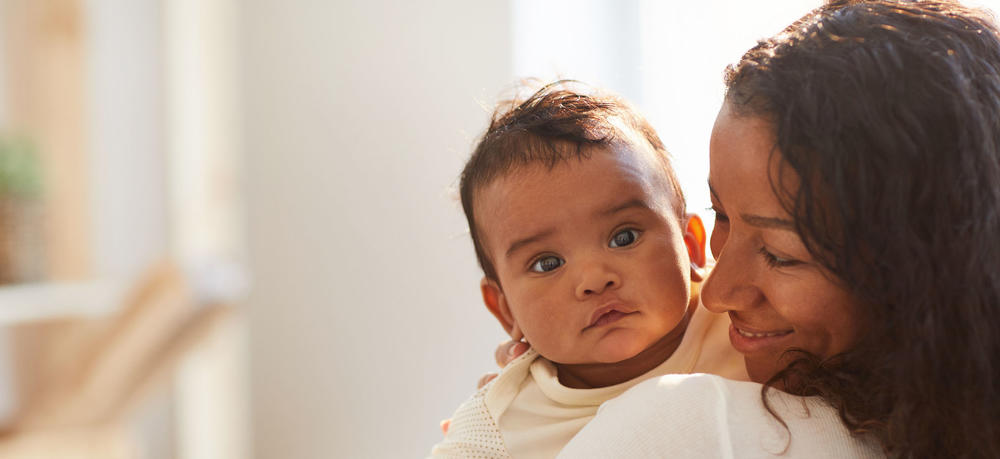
point(711, 189)
point(768, 222)
point(759, 221)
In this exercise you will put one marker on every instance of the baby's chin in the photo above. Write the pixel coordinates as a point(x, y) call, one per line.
point(619, 352)
point(610, 350)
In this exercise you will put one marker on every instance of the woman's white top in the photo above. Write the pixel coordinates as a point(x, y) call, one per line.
point(706, 416)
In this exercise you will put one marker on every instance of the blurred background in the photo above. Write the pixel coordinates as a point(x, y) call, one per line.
point(229, 229)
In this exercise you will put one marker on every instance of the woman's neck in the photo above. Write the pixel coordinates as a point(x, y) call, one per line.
point(593, 375)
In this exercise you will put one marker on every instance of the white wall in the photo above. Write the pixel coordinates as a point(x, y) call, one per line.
point(366, 323)
point(594, 41)
point(685, 46)
point(125, 128)
point(127, 161)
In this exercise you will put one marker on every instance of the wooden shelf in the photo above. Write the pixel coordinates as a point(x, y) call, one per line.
point(32, 302)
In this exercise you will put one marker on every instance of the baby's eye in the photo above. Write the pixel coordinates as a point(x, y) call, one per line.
point(546, 264)
point(623, 238)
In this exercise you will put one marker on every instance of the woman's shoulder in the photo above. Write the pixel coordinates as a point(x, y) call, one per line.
point(694, 383)
point(698, 415)
point(699, 389)
point(702, 390)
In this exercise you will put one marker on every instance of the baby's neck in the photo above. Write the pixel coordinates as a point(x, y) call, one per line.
point(593, 375)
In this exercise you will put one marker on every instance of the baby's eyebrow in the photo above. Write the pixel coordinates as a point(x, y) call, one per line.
point(611, 210)
point(630, 204)
point(528, 240)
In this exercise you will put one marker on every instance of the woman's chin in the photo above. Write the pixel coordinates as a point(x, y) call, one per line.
point(760, 370)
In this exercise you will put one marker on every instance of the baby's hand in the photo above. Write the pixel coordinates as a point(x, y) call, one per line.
point(506, 352)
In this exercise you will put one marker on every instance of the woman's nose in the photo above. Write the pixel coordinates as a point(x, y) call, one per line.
point(595, 279)
point(730, 285)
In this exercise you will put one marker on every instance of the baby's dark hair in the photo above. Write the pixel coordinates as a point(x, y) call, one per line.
point(553, 125)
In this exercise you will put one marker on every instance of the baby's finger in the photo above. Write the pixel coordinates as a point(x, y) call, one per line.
point(508, 351)
point(483, 381)
point(445, 424)
point(515, 333)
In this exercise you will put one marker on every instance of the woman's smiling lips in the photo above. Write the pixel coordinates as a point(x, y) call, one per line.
point(608, 314)
point(748, 340)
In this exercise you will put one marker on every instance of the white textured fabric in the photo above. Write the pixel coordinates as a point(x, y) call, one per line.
point(705, 416)
point(531, 415)
point(474, 430)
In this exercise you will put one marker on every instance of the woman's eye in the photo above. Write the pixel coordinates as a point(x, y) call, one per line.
point(720, 216)
point(775, 261)
point(546, 264)
point(623, 238)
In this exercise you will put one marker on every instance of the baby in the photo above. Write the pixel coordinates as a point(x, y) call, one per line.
point(579, 225)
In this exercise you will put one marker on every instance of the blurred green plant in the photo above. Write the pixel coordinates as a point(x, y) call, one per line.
point(20, 168)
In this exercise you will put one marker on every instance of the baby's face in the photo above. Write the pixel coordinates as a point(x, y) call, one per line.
point(590, 255)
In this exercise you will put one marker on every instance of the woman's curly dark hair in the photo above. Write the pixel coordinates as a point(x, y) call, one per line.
point(889, 115)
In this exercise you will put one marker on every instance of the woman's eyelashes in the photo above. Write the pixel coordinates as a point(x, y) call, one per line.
point(720, 216)
point(546, 263)
point(624, 238)
point(770, 258)
point(775, 261)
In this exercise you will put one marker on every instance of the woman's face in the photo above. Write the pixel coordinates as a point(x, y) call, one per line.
point(776, 295)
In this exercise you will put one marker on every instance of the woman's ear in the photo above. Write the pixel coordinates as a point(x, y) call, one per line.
point(694, 239)
point(496, 302)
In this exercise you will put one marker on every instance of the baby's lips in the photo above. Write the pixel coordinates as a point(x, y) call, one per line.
point(599, 312)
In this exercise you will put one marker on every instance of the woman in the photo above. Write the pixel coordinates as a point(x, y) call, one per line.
point(855, 171)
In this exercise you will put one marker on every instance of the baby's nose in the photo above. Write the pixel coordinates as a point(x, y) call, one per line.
point(597, 281)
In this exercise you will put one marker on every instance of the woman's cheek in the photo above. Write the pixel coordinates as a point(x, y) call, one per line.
point(718, 239)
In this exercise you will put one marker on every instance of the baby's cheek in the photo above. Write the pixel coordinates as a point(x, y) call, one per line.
point(542, 339)
point(545, 324)
point(548, 341)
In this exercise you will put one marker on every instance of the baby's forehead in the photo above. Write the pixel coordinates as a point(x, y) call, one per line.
point(509, 190)
point(643, 161)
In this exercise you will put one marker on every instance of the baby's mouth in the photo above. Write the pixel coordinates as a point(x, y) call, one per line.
point(607, 318)
point(608, 315)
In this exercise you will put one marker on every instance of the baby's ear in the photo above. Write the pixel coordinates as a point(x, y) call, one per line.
point(496, 302)
point(694, 239)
